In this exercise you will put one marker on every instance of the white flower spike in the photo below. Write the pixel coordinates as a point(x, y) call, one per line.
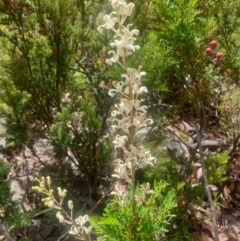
point(129, 115)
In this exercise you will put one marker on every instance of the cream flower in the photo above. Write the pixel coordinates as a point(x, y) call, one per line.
point(125, 9)
point(147, 189)
point(133, 76)
point(74, 231)
point(121, 172)
point(125, 106)
point(81, 220)
point(120, 141)
point(132, 155)
point(109, 22)
point(120, 191)
point(145, 158)
point(114, 59)
point(123, 124)
point(118, 88)
point(115, 3)
point(142, 90)
point(81, 229)
point(115, 113)
point(141, 199)
point(125, 45)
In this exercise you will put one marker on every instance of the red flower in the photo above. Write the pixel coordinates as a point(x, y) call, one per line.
point(58, 32)
point(219, 55)
point(213, 44)
point(208, 51)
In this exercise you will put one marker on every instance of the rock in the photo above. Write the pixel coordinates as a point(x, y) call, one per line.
point(147, 134)
point(2, 143)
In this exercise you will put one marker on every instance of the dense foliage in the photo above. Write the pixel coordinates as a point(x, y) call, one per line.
point(51, 86)
point(10, 214)
point(54, 85)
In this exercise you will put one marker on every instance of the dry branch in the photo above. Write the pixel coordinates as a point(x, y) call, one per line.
point(5, 232)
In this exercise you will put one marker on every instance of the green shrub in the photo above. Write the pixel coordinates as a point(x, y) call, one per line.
point(12, 216)
point(174, 55)
point(152, 218)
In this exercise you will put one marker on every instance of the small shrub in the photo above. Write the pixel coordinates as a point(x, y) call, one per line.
point(14, 218)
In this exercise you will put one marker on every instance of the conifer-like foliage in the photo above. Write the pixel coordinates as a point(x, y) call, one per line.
point(10, 214)
point(153, 217)
point(44, 43)
point(52, 84)
point(174, 54)
point(226, 30)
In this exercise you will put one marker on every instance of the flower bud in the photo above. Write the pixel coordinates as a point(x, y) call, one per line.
point(42, 185)
point(36, 179)
point(43, 180)
point(48, 181)
point(50, 204)
point(43, 200)
point(60, 217)
point(70, 205)
point(37, 189)
point(60, 192)
point(64, 193)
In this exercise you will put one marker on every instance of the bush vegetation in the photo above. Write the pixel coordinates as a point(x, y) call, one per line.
point(60, 82)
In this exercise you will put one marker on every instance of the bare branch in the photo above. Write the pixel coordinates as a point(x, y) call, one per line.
point(205, 181)
point(5, 232)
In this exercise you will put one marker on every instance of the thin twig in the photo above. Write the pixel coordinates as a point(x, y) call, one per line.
point(200, 130)
point(97, 204)
point(66, 232)
point(205, 181)
point(5, 232)
point(235, 143)
point(27, 177)
point(42, 212)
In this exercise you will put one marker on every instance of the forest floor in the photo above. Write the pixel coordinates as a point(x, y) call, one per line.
point(27, 164)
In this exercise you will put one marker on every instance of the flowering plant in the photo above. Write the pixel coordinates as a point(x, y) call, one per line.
point(135, 205)
point(146, 211)
point(79, 227)
point(129, 115)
